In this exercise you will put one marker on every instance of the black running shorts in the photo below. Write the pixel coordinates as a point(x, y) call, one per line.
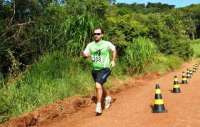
point(101, 76)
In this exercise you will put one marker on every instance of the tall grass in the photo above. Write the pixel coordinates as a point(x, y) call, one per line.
point(53, 77)
point(139, 53)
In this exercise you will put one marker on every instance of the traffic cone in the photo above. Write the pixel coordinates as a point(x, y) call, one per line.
point(194, 68)
point(184, 78)
point(188, 74)
point(191, 73)
point(158, 102)
point(196, 65)
point(176, 86)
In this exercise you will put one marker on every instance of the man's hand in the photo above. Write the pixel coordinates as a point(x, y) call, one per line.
point(83, 54)
point(112, 63)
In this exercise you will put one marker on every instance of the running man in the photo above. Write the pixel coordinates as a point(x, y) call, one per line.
point(99, 50)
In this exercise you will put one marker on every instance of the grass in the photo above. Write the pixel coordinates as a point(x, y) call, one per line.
point(52, 78)
point(164, 63)
point(196, 46)
point(139, 54)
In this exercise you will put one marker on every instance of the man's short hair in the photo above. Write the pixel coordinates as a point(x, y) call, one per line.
point(102, 31)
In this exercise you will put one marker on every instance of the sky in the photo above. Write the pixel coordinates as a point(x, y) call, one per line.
point(177, 3)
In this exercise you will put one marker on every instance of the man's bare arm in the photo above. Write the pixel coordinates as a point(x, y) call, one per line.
point(114, 54)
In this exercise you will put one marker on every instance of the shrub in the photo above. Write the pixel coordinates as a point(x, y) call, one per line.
point(139, 53)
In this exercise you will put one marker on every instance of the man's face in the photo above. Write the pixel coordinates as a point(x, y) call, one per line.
point(97, 35)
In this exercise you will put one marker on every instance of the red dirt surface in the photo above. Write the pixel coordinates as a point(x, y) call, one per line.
point(132, 107)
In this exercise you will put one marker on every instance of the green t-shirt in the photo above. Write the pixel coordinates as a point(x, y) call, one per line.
point(100, 53)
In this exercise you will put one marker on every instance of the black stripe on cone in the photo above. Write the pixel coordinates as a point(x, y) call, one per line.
point(158, 106)
point(176, 86)
point(158, 96)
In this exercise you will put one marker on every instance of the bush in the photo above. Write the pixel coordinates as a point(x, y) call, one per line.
point(195, 44)
point(169, 45)
point(183, 49)
point(139, 53)
point(164, 63)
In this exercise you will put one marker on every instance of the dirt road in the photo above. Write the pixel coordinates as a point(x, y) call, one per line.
point(133, 107)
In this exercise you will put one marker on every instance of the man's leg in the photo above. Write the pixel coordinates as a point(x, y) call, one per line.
point(100, 90)
point(105, 92)
point(99, 93)
point(107, 98)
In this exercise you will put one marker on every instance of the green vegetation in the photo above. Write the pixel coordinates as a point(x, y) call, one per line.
point(40, 43)
point(135, 59)
point(196, 46)
point(164, 63)
point(53, 77)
